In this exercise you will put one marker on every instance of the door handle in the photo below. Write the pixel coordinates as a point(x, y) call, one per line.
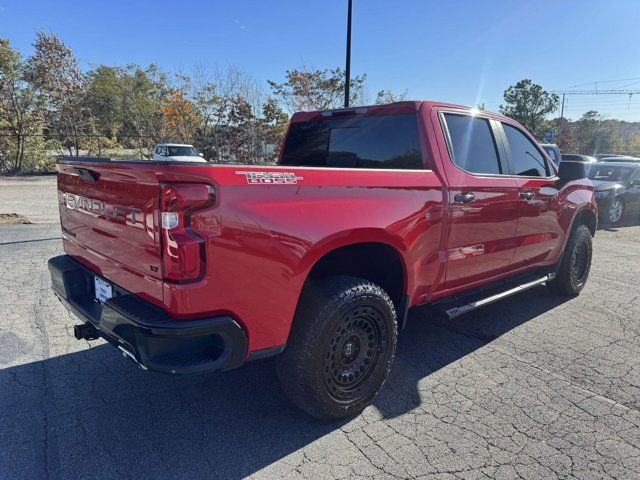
point(527, 195)
point(464, 198)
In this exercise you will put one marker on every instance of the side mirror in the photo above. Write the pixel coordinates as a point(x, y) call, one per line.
point(201, 154)
point(636, 182)
point(568, 171)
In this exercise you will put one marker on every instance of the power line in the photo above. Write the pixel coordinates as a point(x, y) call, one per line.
point(597, 92)
point(603, 81)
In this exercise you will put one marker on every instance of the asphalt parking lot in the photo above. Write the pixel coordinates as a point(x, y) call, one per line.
point(537, 386)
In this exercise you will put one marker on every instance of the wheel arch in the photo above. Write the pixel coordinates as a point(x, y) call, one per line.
point(586, 216)
point(379, 261)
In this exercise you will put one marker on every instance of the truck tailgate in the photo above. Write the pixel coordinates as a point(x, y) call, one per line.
point(109, 219)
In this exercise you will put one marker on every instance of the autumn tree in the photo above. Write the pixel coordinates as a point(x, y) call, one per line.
point(180, 119)
point(529, 104)
point(307, 89)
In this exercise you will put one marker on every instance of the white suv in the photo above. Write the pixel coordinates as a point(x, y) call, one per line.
point(176, 152)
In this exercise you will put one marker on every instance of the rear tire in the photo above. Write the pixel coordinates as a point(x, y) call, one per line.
point(341, 347)
point(575, 264)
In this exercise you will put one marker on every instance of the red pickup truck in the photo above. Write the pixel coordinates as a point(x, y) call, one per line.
point(371, 211)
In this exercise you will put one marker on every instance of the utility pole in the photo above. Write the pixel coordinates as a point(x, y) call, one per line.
point(561, 116)
point(630, 93)
point(348, 62)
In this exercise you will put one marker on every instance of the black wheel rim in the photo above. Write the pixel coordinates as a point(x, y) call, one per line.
point(580, 262)
point(356, 349)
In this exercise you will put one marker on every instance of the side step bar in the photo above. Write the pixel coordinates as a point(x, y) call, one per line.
point(454, 312)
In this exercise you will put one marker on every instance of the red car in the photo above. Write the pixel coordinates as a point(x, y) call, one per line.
point(370, 212)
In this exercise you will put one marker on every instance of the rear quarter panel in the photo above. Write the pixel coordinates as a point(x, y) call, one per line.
point(263, 239)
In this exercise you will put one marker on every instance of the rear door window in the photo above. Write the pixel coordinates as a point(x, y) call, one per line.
point(472, 144)
point(526, 159)
point(389, 141)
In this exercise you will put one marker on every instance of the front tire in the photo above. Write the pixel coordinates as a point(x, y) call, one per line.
point(341, 347)
point(616, 211)
point(575, 264)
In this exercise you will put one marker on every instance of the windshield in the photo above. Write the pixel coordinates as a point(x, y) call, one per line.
point(182, 151)
point(610, 173)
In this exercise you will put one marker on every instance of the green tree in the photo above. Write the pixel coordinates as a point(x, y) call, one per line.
point(21, 119)
point(632, 144)
point(529, 104)
point(273, 127)
point(308, 89)
point(104, 97)
point(141, 95)
point(127, 103)
point(587, 131)
point(54, 71)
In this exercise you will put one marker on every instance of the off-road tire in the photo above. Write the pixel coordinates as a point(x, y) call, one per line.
point(575, 264)
point(341, 347)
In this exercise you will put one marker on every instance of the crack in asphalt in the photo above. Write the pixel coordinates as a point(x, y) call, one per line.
point(30, 241)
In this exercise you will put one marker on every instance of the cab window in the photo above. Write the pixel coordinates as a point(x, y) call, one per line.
point(473, 147)
point(526, 159)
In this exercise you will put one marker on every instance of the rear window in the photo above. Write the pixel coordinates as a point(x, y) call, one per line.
point(389, 141)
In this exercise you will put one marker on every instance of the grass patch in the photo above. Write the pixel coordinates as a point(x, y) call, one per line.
point(12, 218)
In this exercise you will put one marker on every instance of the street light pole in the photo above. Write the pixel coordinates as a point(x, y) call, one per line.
point(348, 62)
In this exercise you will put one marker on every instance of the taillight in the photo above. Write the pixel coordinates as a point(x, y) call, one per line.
point(183, 251)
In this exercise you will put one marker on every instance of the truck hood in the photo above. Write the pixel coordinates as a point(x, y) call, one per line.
point(599, 185)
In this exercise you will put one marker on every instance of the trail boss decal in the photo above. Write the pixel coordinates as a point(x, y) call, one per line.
point(274, 178)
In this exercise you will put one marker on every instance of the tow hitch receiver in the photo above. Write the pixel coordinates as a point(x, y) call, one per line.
point(86, 331)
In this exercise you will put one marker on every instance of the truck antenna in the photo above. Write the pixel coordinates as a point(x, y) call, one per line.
point(348, 61)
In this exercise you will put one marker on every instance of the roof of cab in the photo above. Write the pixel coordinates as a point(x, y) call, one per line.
point(395, 108)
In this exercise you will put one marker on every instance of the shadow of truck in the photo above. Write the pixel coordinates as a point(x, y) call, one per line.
point(91, 414)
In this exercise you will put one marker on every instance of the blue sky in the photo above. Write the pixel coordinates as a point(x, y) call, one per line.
point(459, 51)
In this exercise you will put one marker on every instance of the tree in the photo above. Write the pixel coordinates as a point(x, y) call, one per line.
point(529, 104)
point(306, 89)
point(180, 119)
point(567, 141)
point(387, 96)
point(21, 118)
point(589, 132)
point(55, 73)
point(632, 144)
point(273, 127)
point(141, 93)
point(104, 99)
